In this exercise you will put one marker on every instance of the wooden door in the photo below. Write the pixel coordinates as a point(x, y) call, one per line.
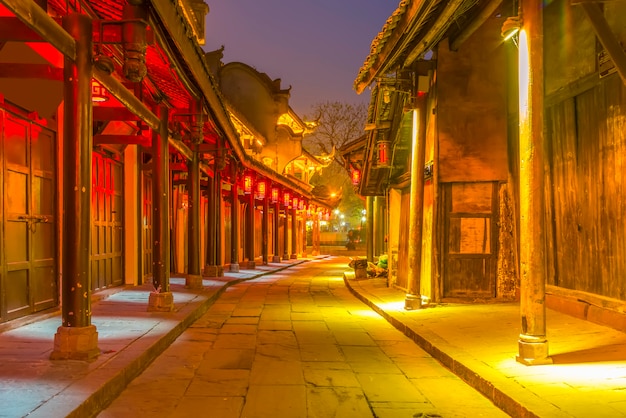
point(470, 239)
point(29, 280)
point(107, 214)
point(403, 239)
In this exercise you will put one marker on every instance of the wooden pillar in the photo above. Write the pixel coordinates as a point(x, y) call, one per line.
point(377, 227)
point(286, 235)
point(161, 299)
point(315, 238)
point(211, 229)
point(194, 278)
point(213, 260)
point(369, 238)
point(276, 257)
point(303, 232)
point(533, 344)
point(265, 231)
point(250, 231)
point(77, 338)
point(318, 236)
point(234, 223)
point(413, 298)
point(219, 224)
point(294, 233)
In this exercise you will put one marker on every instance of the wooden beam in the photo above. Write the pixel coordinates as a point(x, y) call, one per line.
point(178, 167)
point(122, 139)
point(456, 41)
point(606, 37)
point(104, 113)
point(13, 29)
point(38, 71)
point(38, 20)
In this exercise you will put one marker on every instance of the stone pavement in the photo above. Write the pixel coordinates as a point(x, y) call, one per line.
point(476, 342)
point(296, 344)
point(129, 338)
point(479, 344)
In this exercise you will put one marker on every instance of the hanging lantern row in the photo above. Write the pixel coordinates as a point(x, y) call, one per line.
point(288, 201)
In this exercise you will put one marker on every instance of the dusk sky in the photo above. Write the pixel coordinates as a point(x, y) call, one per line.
point(316, 46)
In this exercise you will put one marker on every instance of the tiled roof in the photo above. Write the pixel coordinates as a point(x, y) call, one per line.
point(381, 39)
point(413, 29)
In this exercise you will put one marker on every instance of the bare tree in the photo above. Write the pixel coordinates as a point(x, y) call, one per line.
point(337, 124)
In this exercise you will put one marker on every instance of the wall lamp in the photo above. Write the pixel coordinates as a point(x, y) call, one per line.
point(511, 27)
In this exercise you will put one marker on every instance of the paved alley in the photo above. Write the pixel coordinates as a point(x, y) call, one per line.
point(296, 343)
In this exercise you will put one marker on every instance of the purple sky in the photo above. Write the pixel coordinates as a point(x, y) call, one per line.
point(316, 46)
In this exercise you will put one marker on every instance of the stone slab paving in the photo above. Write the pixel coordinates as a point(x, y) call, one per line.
point(479, 343)
point(296, 345)
point(129, 338)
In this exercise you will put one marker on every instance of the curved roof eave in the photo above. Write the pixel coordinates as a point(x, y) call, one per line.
point(413, 28)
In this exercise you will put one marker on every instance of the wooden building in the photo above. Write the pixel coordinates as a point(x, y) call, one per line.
point(499, 160)
point(124, 161)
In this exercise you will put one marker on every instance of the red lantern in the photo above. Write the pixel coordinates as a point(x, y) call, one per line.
point(275, 193)
point(301, 204)
point(383, 153)
point(260, 189)
point(247, 184)
point(356, 177)
point(295, 202)
point(286, 199)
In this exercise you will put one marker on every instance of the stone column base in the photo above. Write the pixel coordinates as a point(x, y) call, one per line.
point(293, 256)
point(193, 281)
point(251, 265)
point(412, 302)
point(214, 271)
point(161, 302)
point(210, 271)
point(534, 352)
point(234, 267)
point(75, 343)
point(315, 253)
point(276, 259)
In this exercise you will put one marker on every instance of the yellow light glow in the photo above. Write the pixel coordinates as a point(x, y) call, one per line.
point(397, 306)
point(524, 77)
point(366, 313)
